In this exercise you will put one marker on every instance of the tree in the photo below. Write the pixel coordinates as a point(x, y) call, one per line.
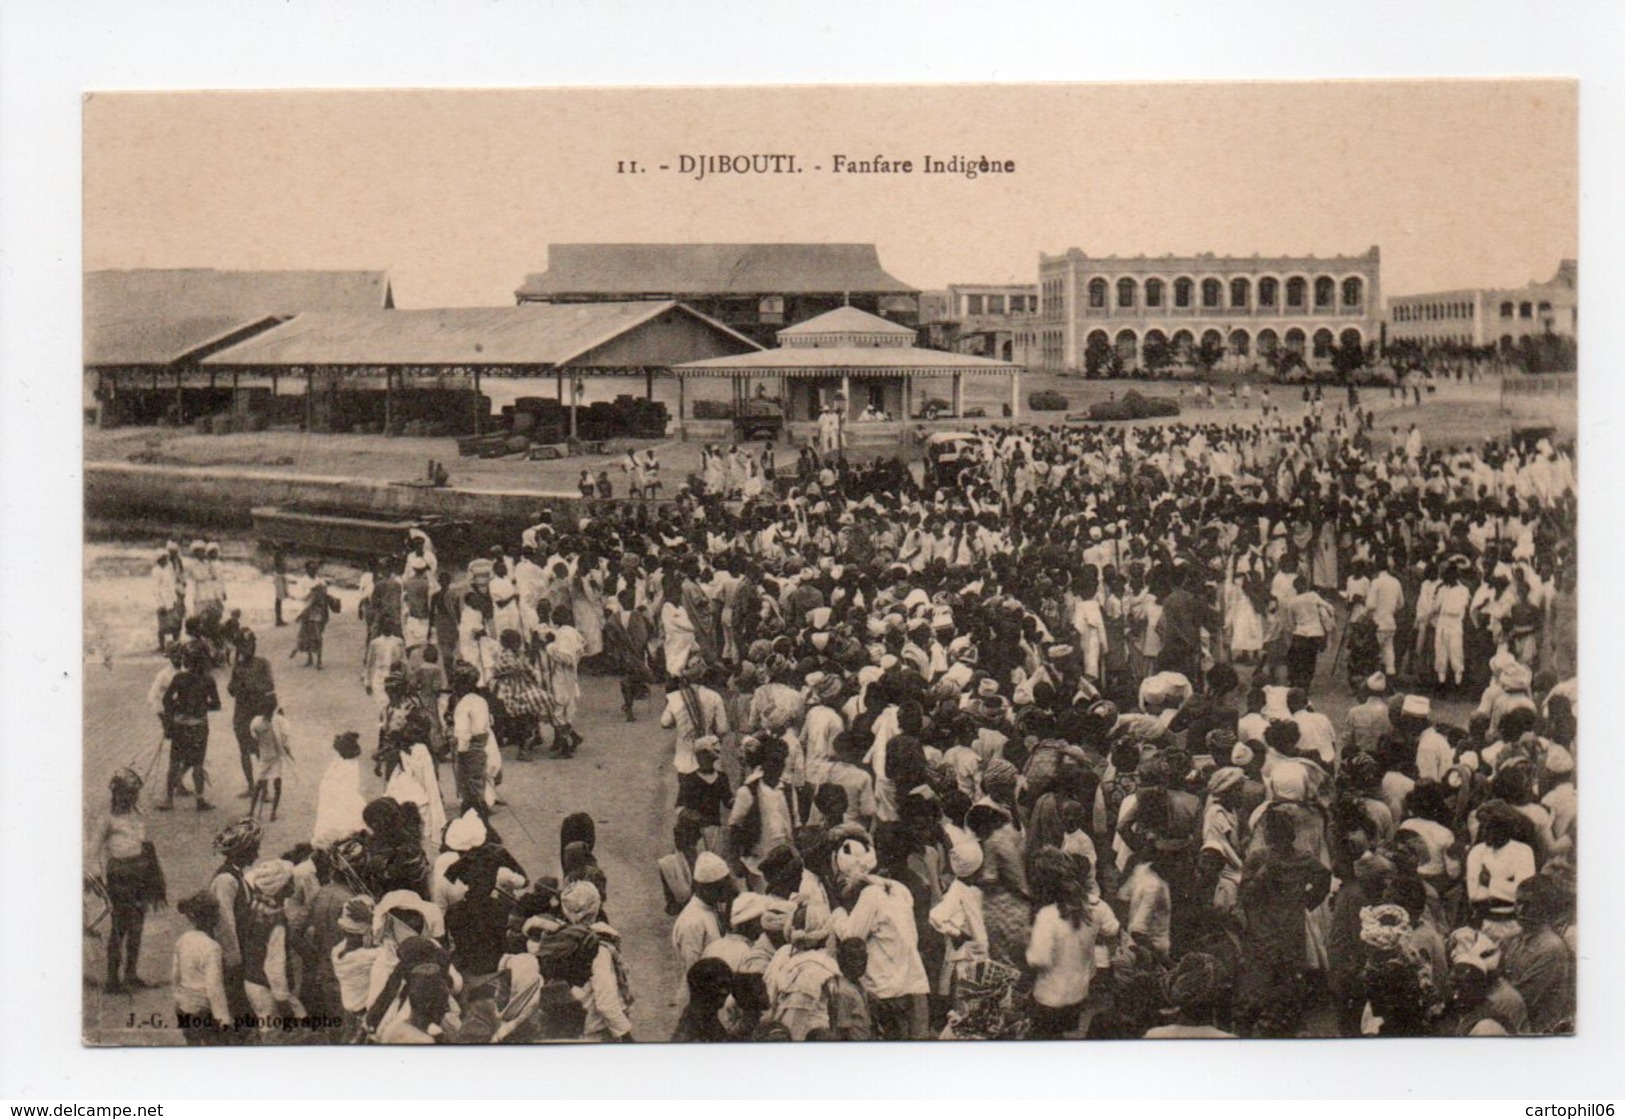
point(1096, 356)
point(1285, 360)
point(1346, 359)
point(1208, 354)
point(1157, 356)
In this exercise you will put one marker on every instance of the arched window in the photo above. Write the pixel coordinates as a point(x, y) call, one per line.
point(1350, 339)
point(1182, 345)
point(1239, 343)
point(1240, 290)
point(1296, 289)
point(1325, 291)
point(1525, 310)
point(1097, 292)
point(1506, 312)
point(1269, 291)
point(1353, 291)
point(1127, 348)
point(1294, 341)
point(1125, 292)
point(1153, 293)
point(1211, 292)
point(1323, 343)
point(1268, 342)
point(1182, 291)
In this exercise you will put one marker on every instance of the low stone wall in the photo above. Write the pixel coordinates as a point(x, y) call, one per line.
point(226, 498)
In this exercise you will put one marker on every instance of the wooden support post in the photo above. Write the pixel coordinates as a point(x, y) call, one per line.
point(310, 400)
point(479, 408)
point(959, 395)
point(682, 393)
point(389, 400)
point(573, 401)
point(1015, 396)
point(648, 383)
point(180, 397)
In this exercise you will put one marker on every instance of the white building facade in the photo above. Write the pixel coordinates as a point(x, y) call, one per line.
point(1490, 316)
point(1249, 307)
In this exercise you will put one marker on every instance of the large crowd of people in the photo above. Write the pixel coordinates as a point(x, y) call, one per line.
point(1028, 747)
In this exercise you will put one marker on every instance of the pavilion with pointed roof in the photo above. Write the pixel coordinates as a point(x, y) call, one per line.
point(864, 364)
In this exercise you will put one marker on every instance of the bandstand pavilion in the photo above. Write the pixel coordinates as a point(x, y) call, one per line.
point(847, 356)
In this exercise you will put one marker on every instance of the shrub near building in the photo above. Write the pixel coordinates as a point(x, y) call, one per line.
point(1134, 406)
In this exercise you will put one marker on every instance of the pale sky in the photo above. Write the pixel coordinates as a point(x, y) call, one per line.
point(457, 194)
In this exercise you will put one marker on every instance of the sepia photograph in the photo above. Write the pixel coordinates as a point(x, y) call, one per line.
point(1087, 562)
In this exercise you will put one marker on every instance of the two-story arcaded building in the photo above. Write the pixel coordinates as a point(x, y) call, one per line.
point(1490, 316)
point(1249, 307)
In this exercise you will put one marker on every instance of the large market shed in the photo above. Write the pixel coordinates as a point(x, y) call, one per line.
point(754, 288)
point(148, 329)
point(861, 363)
point(368, 364)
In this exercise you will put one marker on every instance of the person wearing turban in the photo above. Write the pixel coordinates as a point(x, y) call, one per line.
point(264, 939)
point(607, 995)
point(693, 711)
point(958, 916)
point(1219, 860)
point(879, 912)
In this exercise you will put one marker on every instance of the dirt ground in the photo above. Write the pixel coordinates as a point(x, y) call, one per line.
point(1455, 414)
point(622, 775)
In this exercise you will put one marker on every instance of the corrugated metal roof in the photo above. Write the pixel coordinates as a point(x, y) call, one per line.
point(847, 320)
point(160, 341)
point(834, 360)
point(710, 269)
point(154, 316)
point(535, 334)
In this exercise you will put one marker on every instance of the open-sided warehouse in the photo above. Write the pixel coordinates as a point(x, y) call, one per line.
point(383, 372)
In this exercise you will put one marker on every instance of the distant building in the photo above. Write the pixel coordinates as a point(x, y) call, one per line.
point(756, 289)
point(979, 319)
point(866, 366)
point(147, 330)
point(1490, 316)
point(1249, 307)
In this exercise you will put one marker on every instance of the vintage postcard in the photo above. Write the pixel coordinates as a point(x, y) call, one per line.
point(830, 563)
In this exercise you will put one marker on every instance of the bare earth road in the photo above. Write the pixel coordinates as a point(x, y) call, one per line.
point(620, 776)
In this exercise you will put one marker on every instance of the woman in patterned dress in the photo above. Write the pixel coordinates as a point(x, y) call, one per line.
point(1006, 905)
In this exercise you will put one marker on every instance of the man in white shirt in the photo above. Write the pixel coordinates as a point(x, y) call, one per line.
point(693, 711)
point(1450, 604)
point(880, 912)
point(1385, 598)
point(166, 595)
point(1316, 736)
point(471, 729)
